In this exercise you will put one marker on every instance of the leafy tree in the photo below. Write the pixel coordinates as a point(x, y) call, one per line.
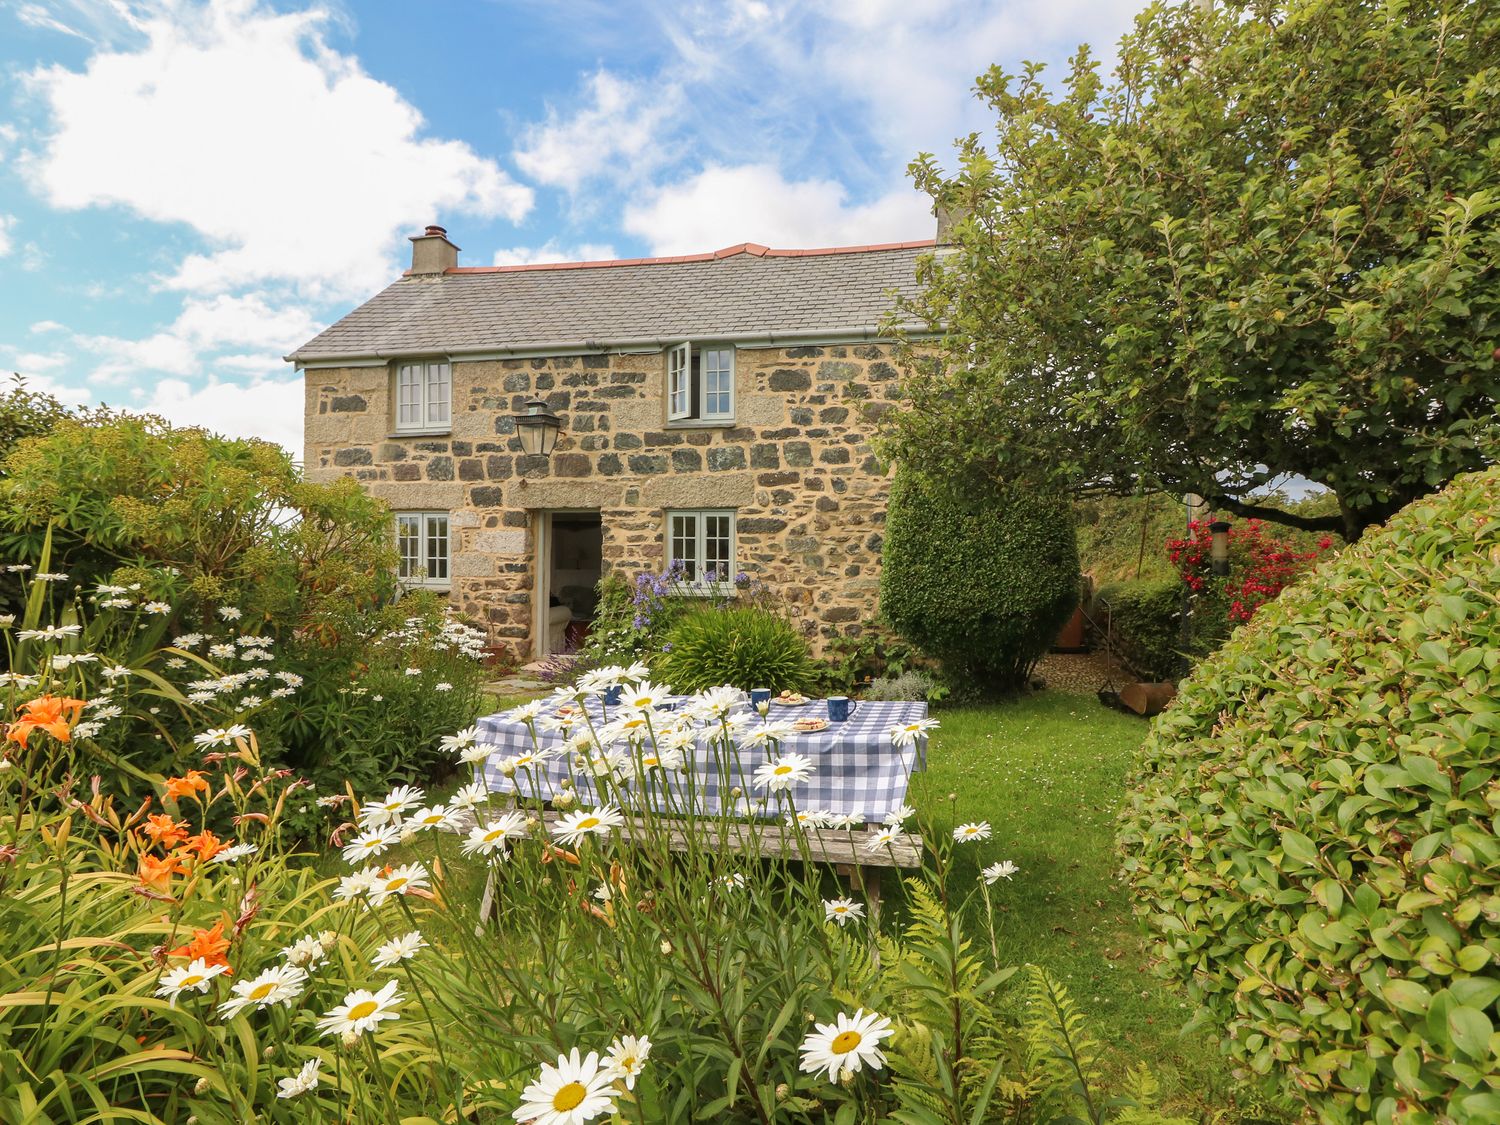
point(1267, 246)
point(234, 517)
point(980, 578)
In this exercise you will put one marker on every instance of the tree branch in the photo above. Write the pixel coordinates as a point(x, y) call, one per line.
point(1334, 522)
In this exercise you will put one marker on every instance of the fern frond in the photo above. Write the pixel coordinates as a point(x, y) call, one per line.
point(1059, 1044)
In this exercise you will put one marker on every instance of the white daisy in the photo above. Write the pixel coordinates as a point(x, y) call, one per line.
point(442, 685)
point(767, 735)
point(847, 1045)
point(371, 843)
point(303, 1082)
point(485, 839)
point(470, 796)
point(571, 1093)
point(881, 839)
point(220, 652)
point(907, 734)
point(459, 740)
point(309, 951)
point(627, 1058)
point(529, 760)
point(434, 816)
point(1002, 870)
point(898, 816)
point(234, 853)
point(362, 1011)
point(598, 681)
point(159, 608)
point(196, 976)
point(49, 633)
point(230, 613)
point(976, 830)
point(188, 640)
point(390, 809)
point(403, 948)
point(401, 880)
point(644, 696)
point(280, 984)
point(842, 910)
point(661, 758)
point(572, 828)
point(222, 736)
point(783, 772)
point(637, 672)
point(362, 882)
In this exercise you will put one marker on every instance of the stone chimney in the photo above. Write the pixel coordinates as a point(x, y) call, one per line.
point(432, 253)
point(947, 218)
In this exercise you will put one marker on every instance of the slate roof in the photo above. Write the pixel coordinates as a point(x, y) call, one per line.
point(742, 293)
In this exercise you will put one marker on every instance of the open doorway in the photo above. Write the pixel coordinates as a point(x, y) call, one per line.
point(570, 549)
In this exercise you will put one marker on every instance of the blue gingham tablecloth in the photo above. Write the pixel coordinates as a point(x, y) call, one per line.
point(857, 770)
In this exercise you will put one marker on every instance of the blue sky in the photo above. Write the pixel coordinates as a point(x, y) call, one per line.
point(190, 190)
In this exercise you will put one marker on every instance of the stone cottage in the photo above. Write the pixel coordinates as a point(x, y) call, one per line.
point(716, 410)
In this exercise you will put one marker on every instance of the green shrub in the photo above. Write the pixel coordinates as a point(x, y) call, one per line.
point(745, 646)
point(979, 579)
point(1312, 835)
point(1145, 624)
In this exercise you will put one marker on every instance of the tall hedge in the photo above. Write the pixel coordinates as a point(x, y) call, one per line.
point(1312, 832)
point(977, 577)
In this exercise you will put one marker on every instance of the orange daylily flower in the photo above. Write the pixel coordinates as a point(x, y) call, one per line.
point(157, 873)
point(165, 831)
point(206, 844)
point(211, 945)
point(186, 785)
point(49, 713)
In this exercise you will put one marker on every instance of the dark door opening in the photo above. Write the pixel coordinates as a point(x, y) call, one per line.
point(577, 559)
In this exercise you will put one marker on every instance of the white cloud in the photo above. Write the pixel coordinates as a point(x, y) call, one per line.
point(618, 132)
point(160, 353)
point(34, 15)
point(38, 363)
point(553, 251)
point(48, 326)
point(266, 408)
point(7, 224)
point(723, 206)
point(244, 321)
point(243, 124)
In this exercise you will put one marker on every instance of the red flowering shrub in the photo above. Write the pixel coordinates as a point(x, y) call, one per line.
point(1261, 564)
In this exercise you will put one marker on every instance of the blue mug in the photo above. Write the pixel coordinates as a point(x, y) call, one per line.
point(759, 695)
point(840, 707)
point(612, 695)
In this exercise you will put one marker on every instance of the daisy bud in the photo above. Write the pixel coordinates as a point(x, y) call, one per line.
point(736, 792)
point(269, 1052)
point(532, 822)
point(666, 947)
point(508, 769)
point(200, 1087)
point(567, 782)
point(563, 800)
point(350, 1040)
point(408, 835)
point(328, 939)
point(782, 1090)
point(193, 1120)
point(846, 1077)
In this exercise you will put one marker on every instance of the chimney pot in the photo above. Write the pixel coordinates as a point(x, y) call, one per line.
point(437, 230)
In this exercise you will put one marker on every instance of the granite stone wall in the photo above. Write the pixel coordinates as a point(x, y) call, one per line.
point(796, 465)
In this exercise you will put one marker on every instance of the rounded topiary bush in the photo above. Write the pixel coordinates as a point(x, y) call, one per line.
point(978, 577)
point(1312, 831)
point(744, 646)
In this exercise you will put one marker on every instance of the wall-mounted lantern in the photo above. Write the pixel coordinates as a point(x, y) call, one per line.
point(538, 429)
point(1218, 549)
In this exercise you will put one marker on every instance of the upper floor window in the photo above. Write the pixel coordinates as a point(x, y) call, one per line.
point(702, 543)
point(424, 392)
point(700, 383)
point(422, 544)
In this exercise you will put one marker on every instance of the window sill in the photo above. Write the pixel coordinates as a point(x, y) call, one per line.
point(409, 586)
point(699, 424)
point(396, 434)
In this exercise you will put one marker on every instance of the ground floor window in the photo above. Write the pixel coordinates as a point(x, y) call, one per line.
point(422, 541)
point(703, 543)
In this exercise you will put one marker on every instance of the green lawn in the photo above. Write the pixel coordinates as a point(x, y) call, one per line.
point(1047, 771)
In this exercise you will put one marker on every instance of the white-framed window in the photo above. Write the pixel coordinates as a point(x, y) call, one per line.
point(702, 542)
point(700, 383)
point(422, 543)
point(424, 394)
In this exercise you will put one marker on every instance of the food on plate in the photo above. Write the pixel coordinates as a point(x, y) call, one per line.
point(808, 726)
point(790, 699)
